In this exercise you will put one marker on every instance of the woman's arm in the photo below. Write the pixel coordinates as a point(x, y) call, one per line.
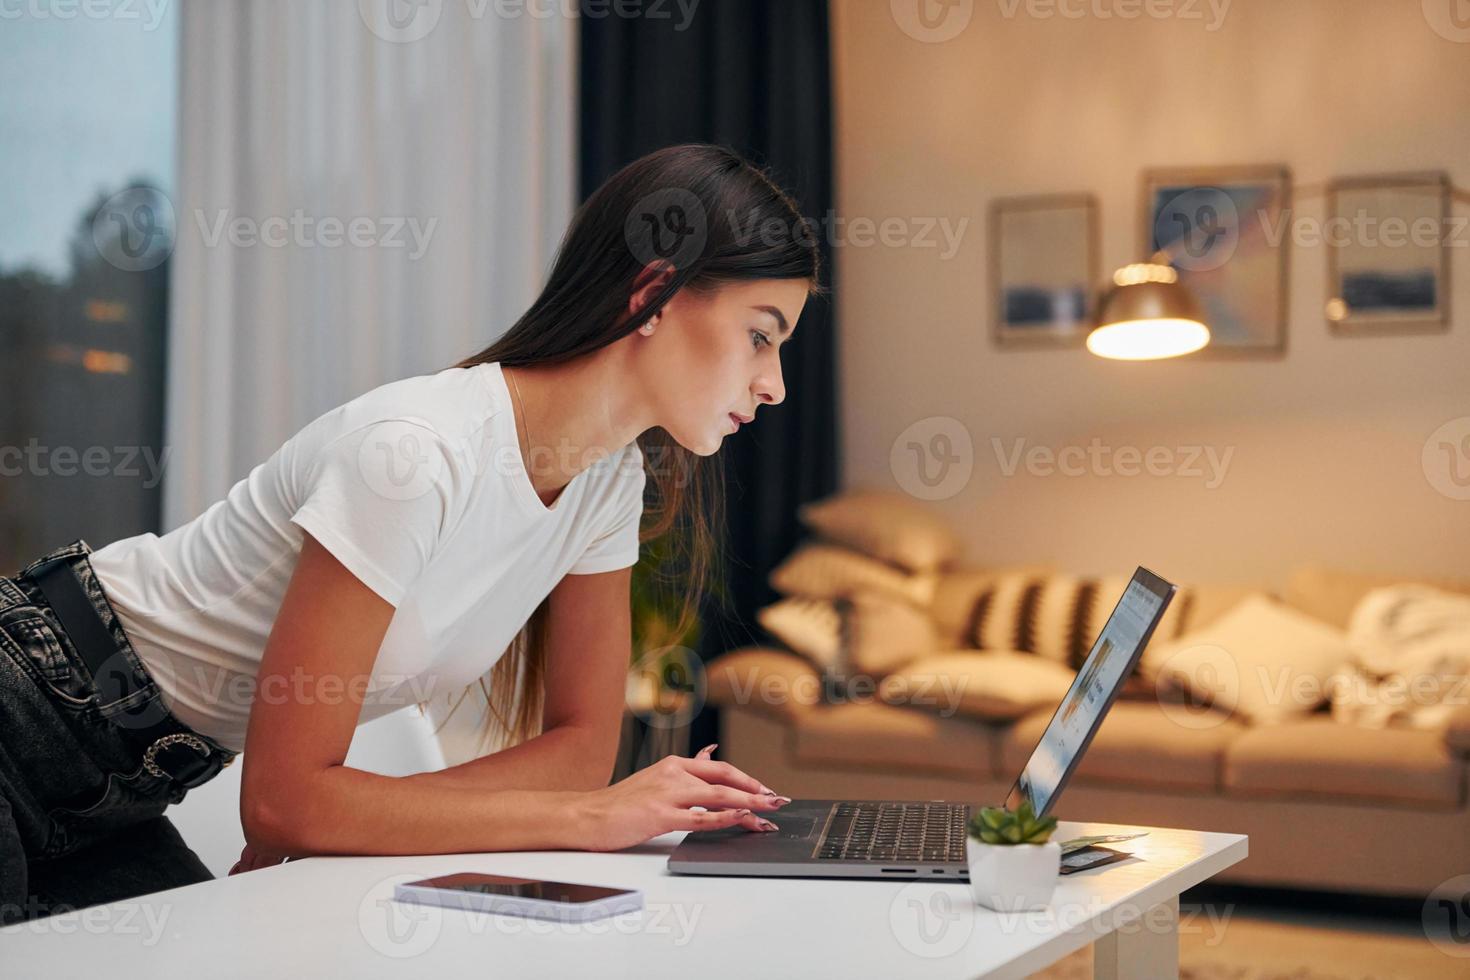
point(298, 798)
point(589, 644)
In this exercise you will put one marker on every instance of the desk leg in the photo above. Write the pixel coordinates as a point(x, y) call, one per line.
point(1147, 947)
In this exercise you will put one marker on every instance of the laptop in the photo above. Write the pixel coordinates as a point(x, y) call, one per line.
point(926, 838)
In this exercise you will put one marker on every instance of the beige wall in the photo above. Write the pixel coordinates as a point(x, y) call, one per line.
point(1327, 442)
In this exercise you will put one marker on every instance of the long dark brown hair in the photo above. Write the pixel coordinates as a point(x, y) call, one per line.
point(712, 218)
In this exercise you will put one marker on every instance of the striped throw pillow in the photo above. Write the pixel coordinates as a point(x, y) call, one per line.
point(1056, 616)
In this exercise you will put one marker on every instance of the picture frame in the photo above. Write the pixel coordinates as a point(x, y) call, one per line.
point(1043, 270)
point(1377, 284)
point(1227, 230)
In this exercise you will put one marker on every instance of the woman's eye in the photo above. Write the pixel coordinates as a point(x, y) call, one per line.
point(760, 338)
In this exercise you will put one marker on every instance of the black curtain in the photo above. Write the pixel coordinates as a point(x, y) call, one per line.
point(752, 75)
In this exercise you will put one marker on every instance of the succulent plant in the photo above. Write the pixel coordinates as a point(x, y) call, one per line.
point(997, 825)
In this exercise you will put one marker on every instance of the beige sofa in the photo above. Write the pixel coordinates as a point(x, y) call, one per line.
point(1327, 805)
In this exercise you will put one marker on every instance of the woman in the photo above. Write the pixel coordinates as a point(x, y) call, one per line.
point(390, 549)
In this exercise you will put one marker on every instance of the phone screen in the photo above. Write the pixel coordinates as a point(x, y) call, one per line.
point(563, 892)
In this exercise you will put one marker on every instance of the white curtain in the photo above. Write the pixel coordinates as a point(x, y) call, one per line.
point(366, 190)
point(295, 119)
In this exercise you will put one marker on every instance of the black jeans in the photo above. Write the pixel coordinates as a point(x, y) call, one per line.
point(81, 816)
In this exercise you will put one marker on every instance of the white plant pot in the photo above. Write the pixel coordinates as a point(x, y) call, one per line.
point(1013, 877)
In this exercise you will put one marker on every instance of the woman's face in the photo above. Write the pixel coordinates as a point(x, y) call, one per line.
point(715, 353)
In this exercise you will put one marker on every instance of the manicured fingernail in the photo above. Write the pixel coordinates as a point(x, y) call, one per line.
point(708, 748)
point(782, 800)
point(767, 825)
point(767, 790)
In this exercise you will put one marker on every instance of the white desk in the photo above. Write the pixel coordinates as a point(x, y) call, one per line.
point(333, 917)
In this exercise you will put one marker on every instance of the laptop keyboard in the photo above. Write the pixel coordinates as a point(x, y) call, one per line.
point(894, 832)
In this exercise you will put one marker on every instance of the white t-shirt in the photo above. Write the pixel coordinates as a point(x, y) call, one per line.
point(418, 487)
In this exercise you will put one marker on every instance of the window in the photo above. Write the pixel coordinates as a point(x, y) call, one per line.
point(86, 163)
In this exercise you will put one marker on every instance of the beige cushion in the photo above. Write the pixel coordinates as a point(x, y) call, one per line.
point(826, 571)
point(993, 685)
point(871, 735)
point(1137, 744)
point(1201, 605)
point(810, 627)
point(1192, 608)
point(886, 525)
point(1320, 757)
point(1332, 595)
point(773, 682)
point(1263, 660)
point(882, 633)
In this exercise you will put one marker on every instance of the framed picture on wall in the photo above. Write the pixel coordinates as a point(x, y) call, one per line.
point(1043, 269)
point(1387, 259)
point(1227, 231)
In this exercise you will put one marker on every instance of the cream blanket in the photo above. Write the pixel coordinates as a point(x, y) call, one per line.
point(1411, 644)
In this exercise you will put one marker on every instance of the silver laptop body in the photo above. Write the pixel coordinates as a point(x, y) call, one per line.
point(926, 838)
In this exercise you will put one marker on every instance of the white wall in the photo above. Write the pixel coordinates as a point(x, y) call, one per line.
point(1327, 442)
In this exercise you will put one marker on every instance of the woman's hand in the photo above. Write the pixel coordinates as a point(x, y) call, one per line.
point(657, 799)
point(250, 859)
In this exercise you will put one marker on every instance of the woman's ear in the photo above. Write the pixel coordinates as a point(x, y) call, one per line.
point(649, 282)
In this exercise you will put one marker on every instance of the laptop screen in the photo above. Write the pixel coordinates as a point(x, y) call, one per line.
point(1111, 660)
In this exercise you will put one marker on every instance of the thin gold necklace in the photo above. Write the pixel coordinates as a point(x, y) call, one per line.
point(525, 422)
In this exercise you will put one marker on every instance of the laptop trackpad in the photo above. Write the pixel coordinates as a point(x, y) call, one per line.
point(800, 821)
point(795, 826)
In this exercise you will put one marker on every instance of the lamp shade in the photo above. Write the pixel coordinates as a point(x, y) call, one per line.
point(1147, 314)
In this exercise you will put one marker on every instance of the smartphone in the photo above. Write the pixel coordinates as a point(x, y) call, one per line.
point(563, 901)
point(1091, 856)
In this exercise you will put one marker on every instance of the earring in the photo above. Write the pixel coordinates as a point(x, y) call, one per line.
point(647, 328)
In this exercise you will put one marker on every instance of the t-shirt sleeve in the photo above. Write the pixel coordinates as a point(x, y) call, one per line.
point(617, 545)
point(378, 498)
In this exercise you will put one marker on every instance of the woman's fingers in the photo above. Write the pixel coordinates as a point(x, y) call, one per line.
point(681, 819)
point(245, 862)
point(722, 772)
point(712, 819)
point(250, 859)
point(730, 796)
point(756, 821)
point(727, 775)
point(712, 795)
point(733, 789)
